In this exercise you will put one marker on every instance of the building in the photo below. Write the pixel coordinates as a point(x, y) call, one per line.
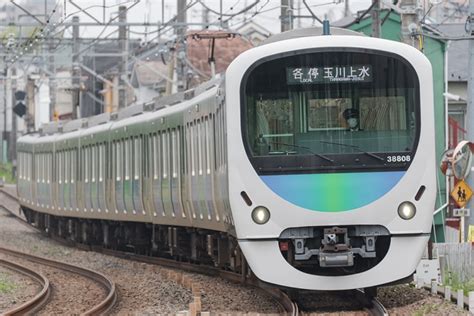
point(434, 50)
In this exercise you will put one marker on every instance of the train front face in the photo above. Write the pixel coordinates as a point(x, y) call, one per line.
point(331, 160)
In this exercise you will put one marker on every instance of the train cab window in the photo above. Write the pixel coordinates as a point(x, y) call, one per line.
point(330, 109)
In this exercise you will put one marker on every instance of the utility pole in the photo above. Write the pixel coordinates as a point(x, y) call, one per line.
point(52, 80)
point(286, 16)
point(409, 21)
point(470, 109)
point(5, 104)
point(375, 13)
point(180, 29)
point(347, 10)
point(76, 70)
point(12, 147)
point(123, 76)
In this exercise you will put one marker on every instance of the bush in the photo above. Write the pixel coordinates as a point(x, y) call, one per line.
point(6, 172)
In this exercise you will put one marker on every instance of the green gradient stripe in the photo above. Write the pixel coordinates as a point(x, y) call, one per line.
point(336, 192)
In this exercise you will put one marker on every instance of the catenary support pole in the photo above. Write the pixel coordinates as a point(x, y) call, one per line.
point(470, 110)
point(376, 25)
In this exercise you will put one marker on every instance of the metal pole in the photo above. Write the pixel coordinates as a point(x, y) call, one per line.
point(123, 38)
point(181, 42)
point(376, 25)
point(76, 70)
point(470, 110)
point(409, 21)
point(12, 147)
point(4, 131)
point(52, 81)
point(285, 16)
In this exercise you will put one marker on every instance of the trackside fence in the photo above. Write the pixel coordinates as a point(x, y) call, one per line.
point(456, 260)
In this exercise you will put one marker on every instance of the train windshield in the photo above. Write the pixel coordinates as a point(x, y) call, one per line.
point(331, 110)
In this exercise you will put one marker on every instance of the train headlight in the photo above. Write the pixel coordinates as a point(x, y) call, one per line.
point(406, 210)
point(260, 215)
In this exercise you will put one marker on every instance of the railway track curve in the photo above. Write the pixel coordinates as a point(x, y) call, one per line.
point(103, 307)
point(289, 307)
point(39, 300)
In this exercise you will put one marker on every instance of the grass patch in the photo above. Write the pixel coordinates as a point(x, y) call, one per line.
point(6, 172)
point(453, 279)
point(6, 286)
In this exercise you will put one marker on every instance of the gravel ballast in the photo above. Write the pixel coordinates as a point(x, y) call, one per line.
point(141, 287)
point(15, 288)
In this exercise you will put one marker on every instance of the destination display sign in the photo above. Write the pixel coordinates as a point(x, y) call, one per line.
point(330, 74)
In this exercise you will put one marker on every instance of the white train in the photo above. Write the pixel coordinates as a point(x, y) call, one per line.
point(313, 157)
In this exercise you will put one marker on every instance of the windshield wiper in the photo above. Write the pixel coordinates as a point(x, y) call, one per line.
point(355, 147)
point(305, 148)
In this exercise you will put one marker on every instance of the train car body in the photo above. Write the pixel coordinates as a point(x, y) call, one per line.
point(315, 154)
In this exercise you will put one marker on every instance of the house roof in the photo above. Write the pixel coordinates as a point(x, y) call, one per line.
point(458, 53)
point(225, 51)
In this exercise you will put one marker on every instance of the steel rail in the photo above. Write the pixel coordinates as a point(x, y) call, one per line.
point(377, 308)
point(279, 296)
point(104, 306)
point(39, 300)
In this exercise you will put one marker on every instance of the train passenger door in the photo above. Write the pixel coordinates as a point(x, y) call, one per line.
point(137, 155)
point(73, 180)
point(60, 181)
point(119, 168)
point(186, 174)
point(147, 194)
point(166, 173)
point(101, 178)
point(175, 172)
point(127, 180)
point(87, 179)
point(94, 177)
point(156, 157)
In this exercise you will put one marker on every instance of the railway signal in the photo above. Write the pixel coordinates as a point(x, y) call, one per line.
point(20, 107)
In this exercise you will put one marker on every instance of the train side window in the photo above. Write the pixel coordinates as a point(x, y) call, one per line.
point(58, 157)
point(127, 159)
point(156, 155)
point(67, 162)
point(208, 145)
point(165, 152)
point(173, 153)
point(94, 163)
point(136, 158)
point(216, 140)
point(119, 158)
point(199, 146)
point(86, 165)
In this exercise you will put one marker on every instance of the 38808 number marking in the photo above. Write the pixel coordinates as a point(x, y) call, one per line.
point(399, 158)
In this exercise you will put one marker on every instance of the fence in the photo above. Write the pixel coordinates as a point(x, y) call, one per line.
point(456, 258)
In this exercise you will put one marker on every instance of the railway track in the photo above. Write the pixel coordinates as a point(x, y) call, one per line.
point(288, 306)
point(39, 300)
point(101, 308)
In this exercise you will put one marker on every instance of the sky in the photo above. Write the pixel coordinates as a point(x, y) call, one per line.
point(151, 11)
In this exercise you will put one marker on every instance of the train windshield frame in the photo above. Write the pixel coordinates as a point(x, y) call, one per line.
point(330, 110)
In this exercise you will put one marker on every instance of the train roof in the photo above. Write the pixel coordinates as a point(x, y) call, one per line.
point(309, 32)
point(84, 126)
